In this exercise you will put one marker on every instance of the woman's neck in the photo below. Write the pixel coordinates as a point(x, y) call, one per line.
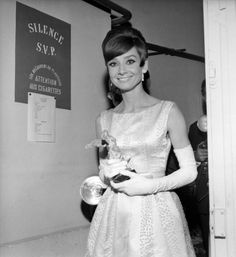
point(135, 100)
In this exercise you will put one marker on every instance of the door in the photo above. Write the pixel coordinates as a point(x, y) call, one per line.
point(220, 53)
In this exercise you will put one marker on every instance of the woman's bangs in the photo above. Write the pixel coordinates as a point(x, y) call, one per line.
point(117, 47)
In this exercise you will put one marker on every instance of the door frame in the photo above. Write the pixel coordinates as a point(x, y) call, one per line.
point(220, 68)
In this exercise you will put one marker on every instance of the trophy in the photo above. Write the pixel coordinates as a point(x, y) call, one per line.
point(92, 187)
point(92, 190)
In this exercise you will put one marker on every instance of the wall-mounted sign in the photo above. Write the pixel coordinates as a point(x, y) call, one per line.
point(43, 56)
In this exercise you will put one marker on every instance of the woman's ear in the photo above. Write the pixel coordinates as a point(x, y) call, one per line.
point(145, 66)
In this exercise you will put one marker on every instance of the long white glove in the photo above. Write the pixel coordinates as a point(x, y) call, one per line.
point(139, 185)
point(186, 174)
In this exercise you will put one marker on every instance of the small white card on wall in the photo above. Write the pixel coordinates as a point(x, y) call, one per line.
point(41, 117)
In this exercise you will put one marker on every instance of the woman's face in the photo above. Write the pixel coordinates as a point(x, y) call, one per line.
point(125, 71)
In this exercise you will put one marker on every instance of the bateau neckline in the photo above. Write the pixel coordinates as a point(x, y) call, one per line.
point(141, 111)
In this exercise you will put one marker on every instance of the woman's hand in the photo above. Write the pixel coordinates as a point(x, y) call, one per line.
point(108, 168)
point(136, 185)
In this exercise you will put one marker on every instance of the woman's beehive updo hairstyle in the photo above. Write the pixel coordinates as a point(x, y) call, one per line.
point(120, 40)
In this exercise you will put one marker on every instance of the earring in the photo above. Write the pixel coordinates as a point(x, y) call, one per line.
point(142, 76)
point(109, 95)
point(110, 85)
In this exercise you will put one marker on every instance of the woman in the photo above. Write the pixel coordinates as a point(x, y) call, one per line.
point(140, 216)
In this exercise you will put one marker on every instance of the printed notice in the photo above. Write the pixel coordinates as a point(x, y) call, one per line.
point(41, 117)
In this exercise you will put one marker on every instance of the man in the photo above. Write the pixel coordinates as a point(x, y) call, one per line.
point(200, 189)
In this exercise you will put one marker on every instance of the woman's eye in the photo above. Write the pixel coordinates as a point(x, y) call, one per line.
point(112, 64)
point(130, 61)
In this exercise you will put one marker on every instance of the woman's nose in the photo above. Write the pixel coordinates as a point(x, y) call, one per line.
point(122, 69)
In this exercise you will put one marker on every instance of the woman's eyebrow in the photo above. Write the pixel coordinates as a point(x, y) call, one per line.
point(126, 57)
point(132, 55)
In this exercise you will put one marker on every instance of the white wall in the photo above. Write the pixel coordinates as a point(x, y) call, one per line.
point(39, 182)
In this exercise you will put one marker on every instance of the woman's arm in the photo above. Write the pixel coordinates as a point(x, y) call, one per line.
point(187, 172)
point(177, 129)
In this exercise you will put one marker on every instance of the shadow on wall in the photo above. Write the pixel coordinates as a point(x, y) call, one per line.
point(87, 210)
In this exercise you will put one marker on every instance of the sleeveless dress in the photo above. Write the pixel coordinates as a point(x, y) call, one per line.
point(140, 226)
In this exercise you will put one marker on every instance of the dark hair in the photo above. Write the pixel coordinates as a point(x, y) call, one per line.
point(120, 40)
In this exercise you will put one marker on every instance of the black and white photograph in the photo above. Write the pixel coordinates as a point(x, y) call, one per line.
point(117, 128)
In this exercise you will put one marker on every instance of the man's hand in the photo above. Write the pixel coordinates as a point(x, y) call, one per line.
point(201, 154)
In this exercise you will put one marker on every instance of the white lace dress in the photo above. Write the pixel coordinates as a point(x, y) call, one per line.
point(140, 226)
